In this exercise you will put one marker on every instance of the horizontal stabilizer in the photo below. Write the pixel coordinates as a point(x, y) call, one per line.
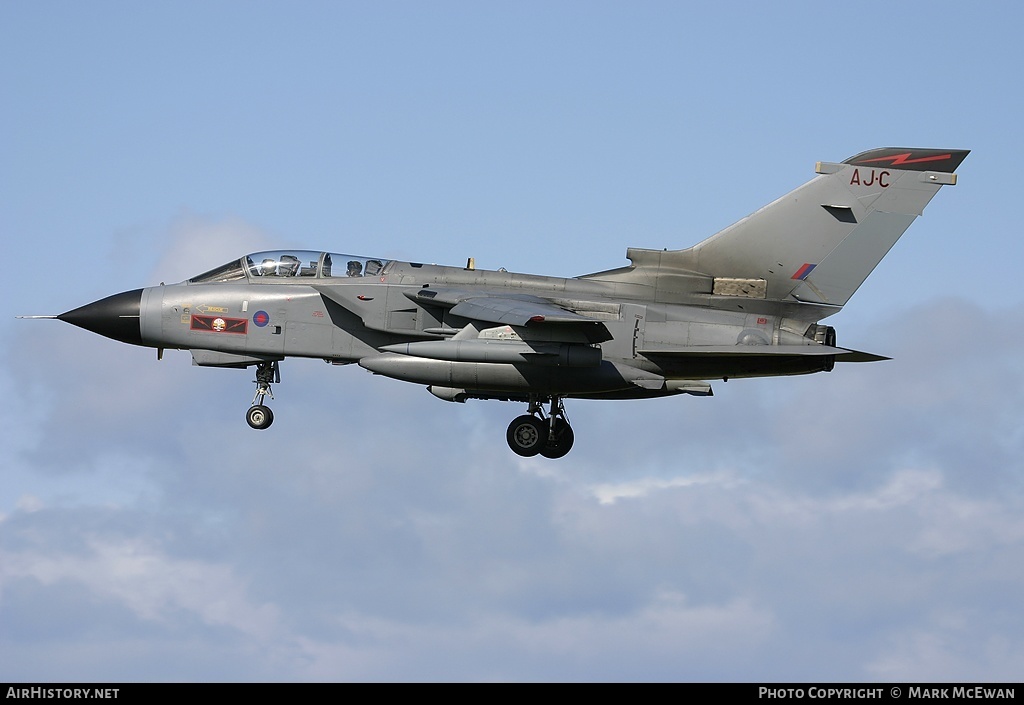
point(841, 354)
point(859, 356)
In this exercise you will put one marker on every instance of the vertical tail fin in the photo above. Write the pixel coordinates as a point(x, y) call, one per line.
point(820, 242)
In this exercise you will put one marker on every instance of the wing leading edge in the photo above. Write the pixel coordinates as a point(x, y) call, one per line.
point(521, 310)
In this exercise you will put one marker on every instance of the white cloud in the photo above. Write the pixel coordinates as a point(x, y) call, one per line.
point(930, 656)
point(152, 584)
point(196, 244)
point(609, 493)
point(667, 635)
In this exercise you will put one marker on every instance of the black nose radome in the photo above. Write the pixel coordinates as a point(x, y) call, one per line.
point(115, 317)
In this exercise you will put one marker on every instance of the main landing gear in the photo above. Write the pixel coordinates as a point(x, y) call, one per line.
point(259, 415)
point(536, 433)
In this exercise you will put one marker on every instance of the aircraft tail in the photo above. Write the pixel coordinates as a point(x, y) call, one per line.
point(819, 243)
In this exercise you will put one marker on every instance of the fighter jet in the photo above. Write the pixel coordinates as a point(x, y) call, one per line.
point(745, 302)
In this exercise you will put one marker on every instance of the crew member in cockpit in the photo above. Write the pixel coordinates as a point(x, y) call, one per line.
point(355, 268)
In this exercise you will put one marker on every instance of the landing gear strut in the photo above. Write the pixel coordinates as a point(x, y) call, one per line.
point(538, 433)
point(259, 415)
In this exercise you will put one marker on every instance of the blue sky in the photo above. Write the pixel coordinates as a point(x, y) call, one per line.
point(861, 525)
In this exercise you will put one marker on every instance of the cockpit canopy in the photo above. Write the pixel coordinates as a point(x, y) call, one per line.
point(276, 265)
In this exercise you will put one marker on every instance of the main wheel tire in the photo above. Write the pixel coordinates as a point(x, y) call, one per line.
point(526, 435)
point(562, 442)
point(259, 417)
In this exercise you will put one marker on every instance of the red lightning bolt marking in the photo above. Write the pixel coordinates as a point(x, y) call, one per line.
point(897, 159)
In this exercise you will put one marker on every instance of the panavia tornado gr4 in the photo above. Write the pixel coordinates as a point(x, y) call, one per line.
point(746, 302)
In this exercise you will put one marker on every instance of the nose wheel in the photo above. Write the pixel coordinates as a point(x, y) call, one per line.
point(537, 433)
point(259, 415)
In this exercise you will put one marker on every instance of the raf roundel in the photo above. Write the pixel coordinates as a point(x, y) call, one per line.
point(261, 318)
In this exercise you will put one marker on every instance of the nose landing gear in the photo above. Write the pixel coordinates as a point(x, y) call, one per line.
point(259, 415)
point(535, 433)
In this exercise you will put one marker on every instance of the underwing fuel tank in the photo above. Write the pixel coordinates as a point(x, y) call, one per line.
point(548, 354)
point(604, 377)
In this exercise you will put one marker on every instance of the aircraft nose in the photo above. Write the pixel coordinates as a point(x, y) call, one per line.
point(115, 317)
